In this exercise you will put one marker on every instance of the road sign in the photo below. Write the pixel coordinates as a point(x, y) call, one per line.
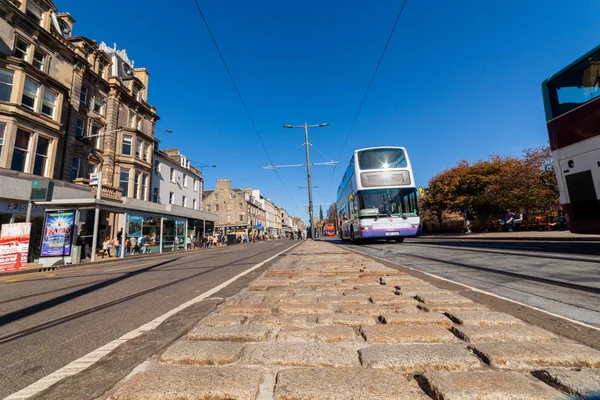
point(259, 225)
point(94, 179)
point(41, 190)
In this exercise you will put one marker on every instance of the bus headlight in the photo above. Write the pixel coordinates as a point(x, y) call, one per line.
point(365, 228)
point(415, 225)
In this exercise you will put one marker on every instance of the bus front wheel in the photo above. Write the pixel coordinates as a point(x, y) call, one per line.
point(399, 240)
point(353, 239)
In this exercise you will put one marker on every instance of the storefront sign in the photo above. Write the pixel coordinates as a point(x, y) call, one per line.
point(58, 233)
point(14, 246)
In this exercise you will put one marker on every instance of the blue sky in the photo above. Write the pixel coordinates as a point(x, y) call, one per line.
point(460, 80)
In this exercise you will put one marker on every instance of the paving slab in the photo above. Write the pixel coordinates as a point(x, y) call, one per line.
point(466, 317)
point(407, 333)
point(392, 299)
point(442, 298)
point(421, 318)
point(416, 358)
point(244, 308)
point(277, 320)
point(346, 319)
point(582, 383)
point(232, 333)
point(301, 354)
point(325, 334)
point(305, 309)
point(528, 355)
point(202, 353)
point(344, 384)
point(452, 307)
point(344, 300)
point(223, 320)
point(375, 309)
point(486, 385)
point(181, 382)
point(503, 333)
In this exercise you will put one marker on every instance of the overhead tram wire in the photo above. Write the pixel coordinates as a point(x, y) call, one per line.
point(237, 90)
point(362, 102)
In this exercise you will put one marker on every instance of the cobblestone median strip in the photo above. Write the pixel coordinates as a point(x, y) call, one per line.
point(323, 323)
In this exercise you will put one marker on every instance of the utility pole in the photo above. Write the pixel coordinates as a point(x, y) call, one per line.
point(308, 164)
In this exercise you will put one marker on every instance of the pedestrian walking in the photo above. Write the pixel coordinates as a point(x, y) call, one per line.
point(117, 244)
point(132, 245)
point(106, 245)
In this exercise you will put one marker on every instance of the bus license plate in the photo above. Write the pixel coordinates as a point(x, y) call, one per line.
point(392, 234)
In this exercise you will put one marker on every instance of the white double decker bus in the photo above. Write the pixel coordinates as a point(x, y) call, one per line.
point(377, 198)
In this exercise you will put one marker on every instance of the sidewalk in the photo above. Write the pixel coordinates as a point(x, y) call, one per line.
point(519, 235)
point(326, 323)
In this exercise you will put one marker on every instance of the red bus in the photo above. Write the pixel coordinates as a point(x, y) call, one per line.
point(572, 107)
point(329, 229)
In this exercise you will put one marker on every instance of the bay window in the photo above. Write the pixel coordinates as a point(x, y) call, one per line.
point(126, 147)
point(124, 182)
point(49, 103)
point(30, 93)
point(6, 83)
point(41, 156)
point(21, 151)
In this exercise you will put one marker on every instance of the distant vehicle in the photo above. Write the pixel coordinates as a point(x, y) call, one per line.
point(377, 198)
point(572, 106)
point(329, 229)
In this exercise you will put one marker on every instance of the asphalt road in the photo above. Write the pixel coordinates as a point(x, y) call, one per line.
point(559, 277)
point(32, 299)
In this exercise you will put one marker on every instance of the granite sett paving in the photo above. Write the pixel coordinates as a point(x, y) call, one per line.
point(407, 333)
point(504, 333)
point(579, 382)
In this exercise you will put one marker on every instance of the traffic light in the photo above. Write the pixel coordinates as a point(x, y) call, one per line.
point(250, 222)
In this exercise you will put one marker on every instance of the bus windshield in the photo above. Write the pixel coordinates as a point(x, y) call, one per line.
point(381, 158)
point(388, 202)
point(576, 86)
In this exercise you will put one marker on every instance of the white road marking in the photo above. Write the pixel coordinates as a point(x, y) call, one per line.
point(474, 289)
point(89, 359)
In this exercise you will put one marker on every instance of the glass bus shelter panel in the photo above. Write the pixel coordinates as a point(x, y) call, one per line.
point(174, 234)
point(381, 158)
point(576, 86)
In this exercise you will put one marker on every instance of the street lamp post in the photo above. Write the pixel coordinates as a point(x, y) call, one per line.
point(310, 201)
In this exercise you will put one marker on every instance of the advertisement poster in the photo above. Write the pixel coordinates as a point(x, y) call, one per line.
point(135, 225)
point(58, 233)
point(14, 246)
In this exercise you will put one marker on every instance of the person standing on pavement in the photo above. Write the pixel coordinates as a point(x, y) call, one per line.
point(106, 245)
point(132, 245)
point(117, 244)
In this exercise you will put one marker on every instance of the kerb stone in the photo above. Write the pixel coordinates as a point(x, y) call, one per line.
point(465, 317)
point(416, 358)
point(164, 382)
point(202, 353)
point(223, 320)
point(407, 334)
point(486, 385)
point(301, 355)
point(528, 355)
point(344, 384)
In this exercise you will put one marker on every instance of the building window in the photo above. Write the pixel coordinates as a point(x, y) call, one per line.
point(184, 180)
point(21, 49)
point(75, 168)
point(6, 82)
point(155, 195)
point(136, 184)
point(195, 204)
point(49, 103)
point(240, 206)
point(171, 198)
point(139, 148)
point(126, 148)
point(145, 187)
point(216, 208)
point(229, 207)
point(230, 196)
point(156, 167)
point(99, 104)
point(83, 96)
point(101, 68)
point(2, 128)
point(30, 93)
point(195, 185)
point(124, 182)
point(135, 92)
point(21, 151)
point(241, 217)
point(34, 12)
point(80, 127)
point(139, 124)
point(208, 208)
point(39, 59)
point(96, 137)
point(215, 197)
point(183, 201)
point(172, 175)
point(131, 119)
point(146, 152)
point(41, 156)
point(229, 219)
